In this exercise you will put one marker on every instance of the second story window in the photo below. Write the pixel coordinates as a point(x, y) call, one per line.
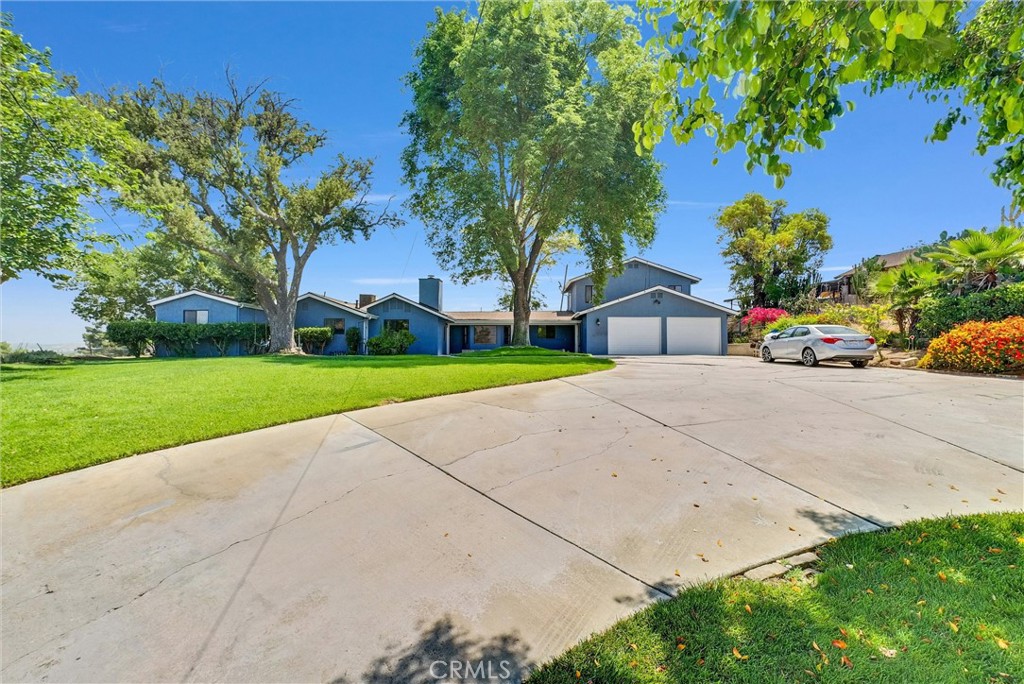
point(196, 316)
point(588, 294)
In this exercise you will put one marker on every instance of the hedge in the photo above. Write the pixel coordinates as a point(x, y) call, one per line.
point(979, 347)
point(183, 338)
point(391, 343)
point(940, 315)
point(313, 340)
point(354, 339)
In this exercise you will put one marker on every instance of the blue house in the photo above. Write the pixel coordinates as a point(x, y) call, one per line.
point(647, 309)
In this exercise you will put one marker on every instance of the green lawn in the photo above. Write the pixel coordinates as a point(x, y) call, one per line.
point(936, 601)
point(60, 418)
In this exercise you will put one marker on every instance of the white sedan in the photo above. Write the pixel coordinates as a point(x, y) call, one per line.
point(810, 344)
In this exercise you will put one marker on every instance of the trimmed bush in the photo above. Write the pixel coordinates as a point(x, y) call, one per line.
point(313, 340)
point(181, 338)
point(353, 339)
point(760, 315)
point(135, 336)
point(391, 343)
point(979, 347)
point(939, 315)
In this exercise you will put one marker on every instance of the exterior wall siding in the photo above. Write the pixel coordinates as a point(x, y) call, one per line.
point(596, 336)
point(564, 339)
point(631, 280)
point(311, 313)
point(174, 311)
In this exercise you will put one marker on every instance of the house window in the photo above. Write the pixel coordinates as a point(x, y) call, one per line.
point(396, 324)
point(677, 288)
point(485, 334)
point(588, 294)
point(335, 324)
point(546, 332)
point(196, 316)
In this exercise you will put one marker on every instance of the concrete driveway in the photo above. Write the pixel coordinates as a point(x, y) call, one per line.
point(502, 525)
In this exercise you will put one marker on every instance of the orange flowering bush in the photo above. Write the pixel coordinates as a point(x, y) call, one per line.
point(980, 347)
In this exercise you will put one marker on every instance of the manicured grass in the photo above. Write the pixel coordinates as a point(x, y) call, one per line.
point(936, 601)
point(60, 418)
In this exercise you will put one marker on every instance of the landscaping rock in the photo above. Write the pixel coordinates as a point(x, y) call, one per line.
point(802, 559)
point(910, 362)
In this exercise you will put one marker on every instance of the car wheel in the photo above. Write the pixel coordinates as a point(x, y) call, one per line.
point(859, 363)
point(808, 358)
point(766, 355)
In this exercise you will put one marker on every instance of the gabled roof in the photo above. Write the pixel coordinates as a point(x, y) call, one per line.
point(208, 295)
point(666, 269)
point(336, 303)
point(890, 260)
point(395, 295)
point(661, 288)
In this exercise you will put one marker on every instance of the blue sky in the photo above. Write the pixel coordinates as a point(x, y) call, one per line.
point(882, 185)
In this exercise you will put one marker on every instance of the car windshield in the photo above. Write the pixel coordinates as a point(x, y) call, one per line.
point(837, 330)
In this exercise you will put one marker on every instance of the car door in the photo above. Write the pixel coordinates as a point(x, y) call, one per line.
point(780, 344)
point(796, 342)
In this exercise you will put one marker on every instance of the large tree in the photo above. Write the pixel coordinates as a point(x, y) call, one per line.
point(59, 154)
point(521, 129)
point(221, 175)
point(774, 256)
point(784, 65)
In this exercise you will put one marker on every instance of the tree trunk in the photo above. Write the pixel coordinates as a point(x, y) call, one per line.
point(281, 321)
point(520, 311)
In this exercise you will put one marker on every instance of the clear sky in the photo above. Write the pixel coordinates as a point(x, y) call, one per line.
point(882, 185)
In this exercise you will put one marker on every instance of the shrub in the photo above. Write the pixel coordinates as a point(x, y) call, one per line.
point(354, 339)
point(390, 343)
point(760, 315)
point(979, 347)
point(313, 340)
point(42, 357)
point(135, 336)
point(180, 338)
point(941, 314)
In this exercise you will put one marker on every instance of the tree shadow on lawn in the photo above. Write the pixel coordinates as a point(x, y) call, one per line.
point(446, 652)
point(890, 615)
point(425, 361)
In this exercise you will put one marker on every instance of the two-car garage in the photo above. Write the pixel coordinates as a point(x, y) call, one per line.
point(654, 322)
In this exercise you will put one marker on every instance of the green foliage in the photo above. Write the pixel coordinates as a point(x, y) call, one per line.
point(904, 287)
point(942, 314)
point(120, 283)
point(774, 256)
point(353, 339)
point(390, 343)
point(223, 177)
point(980, 259)
point(864, 276)
point(520, 127)
point(39, 357)
point(58, 155)
point(313, 340)
point(135, 336)
point(786, 62)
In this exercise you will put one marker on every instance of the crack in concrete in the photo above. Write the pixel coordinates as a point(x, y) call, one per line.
point(562, 465)
point(498, 446)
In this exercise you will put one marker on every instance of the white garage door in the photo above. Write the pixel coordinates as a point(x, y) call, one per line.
point(634, 336)
point(694, 335)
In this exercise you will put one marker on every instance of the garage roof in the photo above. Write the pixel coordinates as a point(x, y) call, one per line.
point(657, 288)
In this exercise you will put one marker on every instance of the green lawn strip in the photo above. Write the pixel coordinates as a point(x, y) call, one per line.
point(935, 601)
point(61, 418)
point(516, 351)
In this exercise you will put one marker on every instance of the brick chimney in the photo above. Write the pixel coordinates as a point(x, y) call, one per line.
point(366, 300)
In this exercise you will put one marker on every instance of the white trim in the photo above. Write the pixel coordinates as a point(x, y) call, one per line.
point(335, 304)
point(207, 295)
point(395, 295)
point(569, 283)
point(663, 288)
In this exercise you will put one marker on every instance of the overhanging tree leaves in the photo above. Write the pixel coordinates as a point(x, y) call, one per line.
point(786, 62)
point(218, 174)
point(522, 129)
point(58, 153)
point(774, 256)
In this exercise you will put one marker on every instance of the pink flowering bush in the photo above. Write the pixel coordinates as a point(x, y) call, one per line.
point(760, 315)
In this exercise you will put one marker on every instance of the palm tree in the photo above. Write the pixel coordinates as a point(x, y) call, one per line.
point(980, 260)
point(904, 287)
